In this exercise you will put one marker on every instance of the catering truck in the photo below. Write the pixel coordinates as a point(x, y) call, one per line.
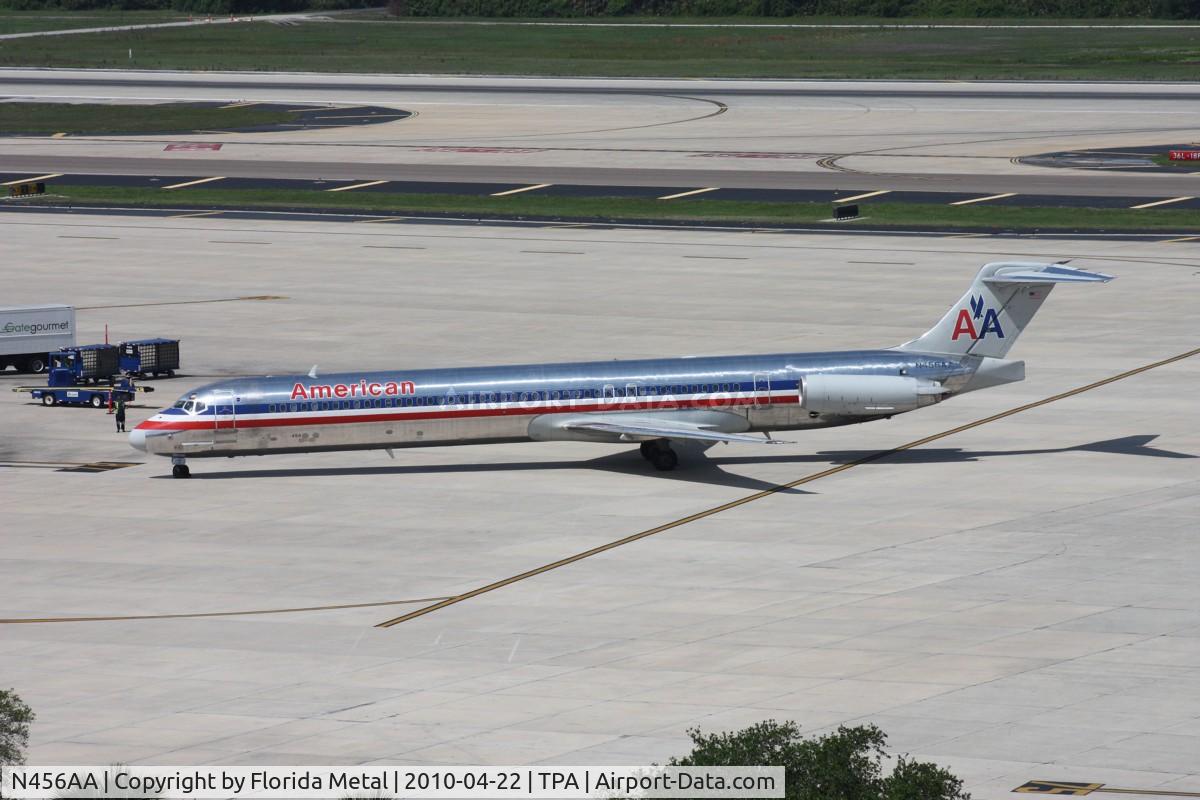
point(85, 376)
point(29, 333)
point(64, 389)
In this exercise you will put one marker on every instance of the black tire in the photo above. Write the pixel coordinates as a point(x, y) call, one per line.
point(181, 471)
point(648, 449)
point(97, 401)
point(49, 399)
point(665, 459)
point(35, 364)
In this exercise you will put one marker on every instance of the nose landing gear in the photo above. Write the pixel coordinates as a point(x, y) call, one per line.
point(659, 453)
point(180, 468)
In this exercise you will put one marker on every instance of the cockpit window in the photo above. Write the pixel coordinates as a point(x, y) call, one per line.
point(190, 406)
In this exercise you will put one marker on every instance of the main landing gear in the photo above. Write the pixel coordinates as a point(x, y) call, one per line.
point(180, 468)
point(659, 453)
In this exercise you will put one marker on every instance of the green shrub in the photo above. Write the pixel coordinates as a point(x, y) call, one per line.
point(15, 717)
point(844, 765)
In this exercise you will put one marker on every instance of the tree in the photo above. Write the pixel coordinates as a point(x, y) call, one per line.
point(15, 717)
point(844, 765)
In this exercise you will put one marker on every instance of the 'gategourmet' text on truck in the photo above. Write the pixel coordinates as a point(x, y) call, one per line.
point(28, 333)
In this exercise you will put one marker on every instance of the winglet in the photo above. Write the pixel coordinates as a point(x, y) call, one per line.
point(312, 373)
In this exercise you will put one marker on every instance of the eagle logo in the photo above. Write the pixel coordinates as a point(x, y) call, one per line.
point(965, 324)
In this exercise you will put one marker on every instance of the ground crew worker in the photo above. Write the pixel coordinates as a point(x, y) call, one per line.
point(120, 416)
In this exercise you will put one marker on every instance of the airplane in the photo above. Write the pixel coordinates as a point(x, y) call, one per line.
point(694, 402)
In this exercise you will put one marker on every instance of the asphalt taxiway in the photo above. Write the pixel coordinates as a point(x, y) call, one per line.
point(1016, 600)
point(644, 191)
point(814, 135)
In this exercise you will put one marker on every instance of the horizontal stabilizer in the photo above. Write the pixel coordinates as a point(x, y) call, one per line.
point(1045, 273)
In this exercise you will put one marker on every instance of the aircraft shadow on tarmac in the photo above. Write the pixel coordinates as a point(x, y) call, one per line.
point(695, 469)
point(708, 469)
point(1126, 445)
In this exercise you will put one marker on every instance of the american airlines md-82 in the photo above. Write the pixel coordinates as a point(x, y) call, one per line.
point(651, 402)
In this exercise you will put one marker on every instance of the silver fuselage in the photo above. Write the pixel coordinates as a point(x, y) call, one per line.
point(414, 408)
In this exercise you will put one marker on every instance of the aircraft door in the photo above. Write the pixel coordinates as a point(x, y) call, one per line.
point(225, 428)
point(762, 391)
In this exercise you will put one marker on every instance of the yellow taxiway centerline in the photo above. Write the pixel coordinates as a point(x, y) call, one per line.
point(204, 614)
point(782, 487)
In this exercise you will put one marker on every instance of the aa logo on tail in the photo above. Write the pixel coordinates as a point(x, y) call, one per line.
point(965, 324)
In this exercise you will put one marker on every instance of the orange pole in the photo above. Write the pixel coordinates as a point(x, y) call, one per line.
point(110, 393)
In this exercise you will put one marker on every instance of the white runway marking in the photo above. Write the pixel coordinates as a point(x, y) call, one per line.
point(983, 199)
point(689, 193)
point(33, 180)
point(520, 189)
point(1163, 202)
point(356, 186)
point(862, 196)
point(194, 183)
point(196, 214)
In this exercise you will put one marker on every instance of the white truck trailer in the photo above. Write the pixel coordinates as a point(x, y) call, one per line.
point(29, 333)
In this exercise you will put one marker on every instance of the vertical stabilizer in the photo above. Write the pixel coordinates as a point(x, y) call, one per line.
point(1005, 295)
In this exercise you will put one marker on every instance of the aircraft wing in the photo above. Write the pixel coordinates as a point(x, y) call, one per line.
point(641, 430)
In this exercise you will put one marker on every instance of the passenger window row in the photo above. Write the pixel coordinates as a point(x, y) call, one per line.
point(473, 398)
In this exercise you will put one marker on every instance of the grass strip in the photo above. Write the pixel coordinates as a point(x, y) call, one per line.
point(736, 212)
point(795, 21)
point(400, 46)
point(44, 119)
point(12, 21)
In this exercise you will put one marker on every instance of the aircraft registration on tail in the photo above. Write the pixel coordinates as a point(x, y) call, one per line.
point(652, 403)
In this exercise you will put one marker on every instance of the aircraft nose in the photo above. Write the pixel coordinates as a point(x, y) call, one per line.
point(137, 439)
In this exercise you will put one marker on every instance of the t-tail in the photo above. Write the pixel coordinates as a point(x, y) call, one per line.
point(987, 320)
